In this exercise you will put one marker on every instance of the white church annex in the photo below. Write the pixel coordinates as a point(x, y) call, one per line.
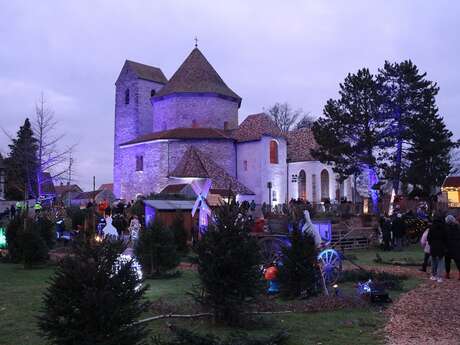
point(170, 132)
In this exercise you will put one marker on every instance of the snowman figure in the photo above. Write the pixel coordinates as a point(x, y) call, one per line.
point(109, 230)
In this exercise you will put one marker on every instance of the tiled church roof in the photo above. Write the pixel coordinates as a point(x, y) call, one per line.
point(195, 163)
point(300, 142)
point(255, 126)
point(197, 75)
point(147, 72)
point(183, 133)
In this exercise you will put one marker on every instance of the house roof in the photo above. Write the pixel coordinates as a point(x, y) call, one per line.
point(147, 72)
point(196, 164)
point(183, 133)
point(170, 204)
point(299, 145)
point(451, 182)
point(64, 188)
point(87, 195)
point(174, 188)
point(106, 186)
point(196, 75)
point(255, 126)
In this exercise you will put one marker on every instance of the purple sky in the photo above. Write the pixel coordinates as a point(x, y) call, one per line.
point(266, 51)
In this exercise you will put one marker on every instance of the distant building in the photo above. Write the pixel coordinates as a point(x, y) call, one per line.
point(451, 187)
point(66, 192)
point(171, 132)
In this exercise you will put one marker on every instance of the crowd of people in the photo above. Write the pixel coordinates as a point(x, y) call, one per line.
point(441, 244)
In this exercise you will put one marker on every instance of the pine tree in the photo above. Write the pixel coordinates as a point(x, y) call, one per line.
point(351, 133)
point(46, 229)
point(21, 164)
point(94, 299)
point(408, 96)
point(34, 249)
point(428, 154)
point(13, 234)
point(298, 271)
point(228, 264)
point(156, 250)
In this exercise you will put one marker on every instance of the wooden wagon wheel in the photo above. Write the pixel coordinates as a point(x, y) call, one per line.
point(270, 249)
point(331, 266)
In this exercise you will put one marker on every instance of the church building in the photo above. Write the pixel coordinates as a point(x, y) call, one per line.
point(169, 132)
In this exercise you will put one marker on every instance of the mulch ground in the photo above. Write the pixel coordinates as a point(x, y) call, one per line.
point(428, 314)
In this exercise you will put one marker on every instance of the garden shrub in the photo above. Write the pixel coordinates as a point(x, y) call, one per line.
point(156, 250)
point(228, 265)
point(94, 299)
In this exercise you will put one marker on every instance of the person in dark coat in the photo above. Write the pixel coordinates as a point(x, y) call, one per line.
point(385, 227)
point(398, 228)
point(437, 239)
point(453, 244)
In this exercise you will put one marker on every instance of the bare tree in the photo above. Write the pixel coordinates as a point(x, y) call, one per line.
point(53, 157)
point(305, 122)
point(285, 117)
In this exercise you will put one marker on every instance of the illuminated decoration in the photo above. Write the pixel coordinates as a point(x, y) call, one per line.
point(2, 238)
point(392, 202)
point(373, 291)
point(200, 203)
point(123, 259)
point(325, 229)
point(331, 266)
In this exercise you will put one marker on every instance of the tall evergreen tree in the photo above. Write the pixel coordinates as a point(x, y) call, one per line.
point(21, 164)
point(351, 133)
point(408, 96)
point(428, 155)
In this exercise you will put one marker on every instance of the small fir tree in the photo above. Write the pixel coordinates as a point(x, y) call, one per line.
point(13, 234)
point(45, 228)
point(94, 299)
point(34, 249)
point(156, 250)
point(298, 271)
point(228, 264)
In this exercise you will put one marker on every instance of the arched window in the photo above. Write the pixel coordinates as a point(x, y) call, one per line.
point(152, 93)
point(324, 185)
point(127, 96)
point(273, 152)
point(302, 185)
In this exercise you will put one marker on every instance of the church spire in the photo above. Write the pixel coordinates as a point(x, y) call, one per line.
point(196, 42)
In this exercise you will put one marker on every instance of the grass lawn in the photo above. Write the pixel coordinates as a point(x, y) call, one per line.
point(21, 292)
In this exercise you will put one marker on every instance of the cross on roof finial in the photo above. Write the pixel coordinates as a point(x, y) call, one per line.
point(196, 42)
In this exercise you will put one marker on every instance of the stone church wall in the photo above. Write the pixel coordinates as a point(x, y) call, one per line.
point(188, 111)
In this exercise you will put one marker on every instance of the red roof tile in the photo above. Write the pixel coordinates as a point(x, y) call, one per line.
point(196, 75)
point(299, 144)
point(147, 72)
point(106, 186)
point(183, 133)
point(195, 163)
point(255, 126)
